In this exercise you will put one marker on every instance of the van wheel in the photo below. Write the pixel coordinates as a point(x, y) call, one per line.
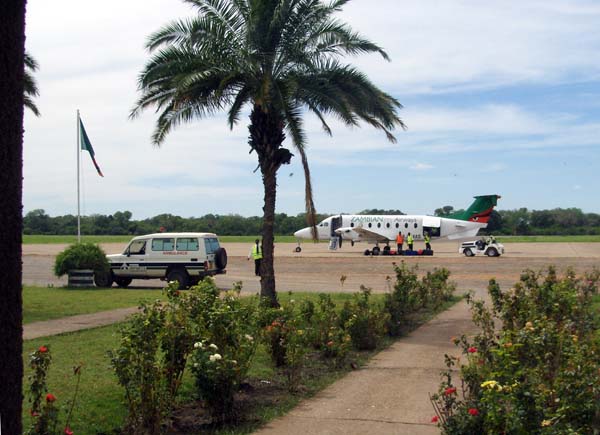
point(103, 279)
point(220, 258)
point(180, 276)
point(468, 252)
point(492, 252)
point(123, 282)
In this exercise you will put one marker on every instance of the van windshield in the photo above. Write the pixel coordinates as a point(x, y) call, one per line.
point(211, 245)
point(137, 247)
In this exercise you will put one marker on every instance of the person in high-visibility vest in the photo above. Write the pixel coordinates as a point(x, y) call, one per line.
point(427, 238)
point(399, 242)
point(256, 253)
point(410, 241)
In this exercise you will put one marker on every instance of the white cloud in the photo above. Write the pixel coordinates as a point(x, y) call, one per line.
point(421, 167)
point(468, 44)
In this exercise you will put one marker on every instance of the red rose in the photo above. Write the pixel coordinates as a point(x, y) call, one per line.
point(449, 390)
point(68, 431)
point(50, 397)
point(43, 349)
point(473, 411)
point(472, 349)
point(435, 419)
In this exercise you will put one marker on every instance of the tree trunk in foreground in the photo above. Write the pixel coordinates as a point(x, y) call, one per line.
point(266, 137)
point(12, 49)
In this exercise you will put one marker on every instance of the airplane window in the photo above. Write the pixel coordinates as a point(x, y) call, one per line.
point(387, 225)
point(378, 225)
point(415, 225)
point(397, 225)
point(370, 225)
point(405, 225)
point(326, 224)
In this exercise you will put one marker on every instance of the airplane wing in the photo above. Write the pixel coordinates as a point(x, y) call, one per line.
point(370, 235)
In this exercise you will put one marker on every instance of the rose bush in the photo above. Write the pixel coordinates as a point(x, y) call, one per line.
point(537, 374)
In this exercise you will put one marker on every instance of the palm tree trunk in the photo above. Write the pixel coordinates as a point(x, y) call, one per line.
point(12, 47)
point(266, 137)
point(267, 270)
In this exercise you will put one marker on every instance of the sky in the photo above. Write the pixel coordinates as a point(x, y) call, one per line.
point(500, 97)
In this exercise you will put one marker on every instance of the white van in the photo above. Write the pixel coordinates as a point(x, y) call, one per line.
point(183, 257)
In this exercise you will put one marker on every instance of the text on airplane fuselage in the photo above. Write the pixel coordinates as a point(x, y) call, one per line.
point(367, 219)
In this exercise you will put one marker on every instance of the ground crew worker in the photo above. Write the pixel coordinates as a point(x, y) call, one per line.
point(409, 241)
point(399, 242)
point(427, 241)
point(256, 253)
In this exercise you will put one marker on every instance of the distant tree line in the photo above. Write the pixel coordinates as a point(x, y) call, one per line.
point(559, 221)
point(120, 223)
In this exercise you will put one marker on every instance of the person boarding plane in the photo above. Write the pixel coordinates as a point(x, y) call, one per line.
point(376, 229)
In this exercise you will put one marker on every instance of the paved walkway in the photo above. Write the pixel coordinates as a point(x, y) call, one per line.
point(388, 396)
point(75, 323)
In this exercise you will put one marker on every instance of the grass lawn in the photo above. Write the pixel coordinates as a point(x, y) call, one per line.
point(41, 240)
point(41, 303)
point(548, 239)
point(34, 239)
point(100, 408)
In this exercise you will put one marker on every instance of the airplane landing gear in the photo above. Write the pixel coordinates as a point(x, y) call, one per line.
point(298, 249)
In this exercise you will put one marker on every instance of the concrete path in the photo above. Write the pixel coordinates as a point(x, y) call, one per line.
point(389, 395)
point(75, 323)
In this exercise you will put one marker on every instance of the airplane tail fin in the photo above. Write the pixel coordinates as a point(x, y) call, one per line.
point(479, 211)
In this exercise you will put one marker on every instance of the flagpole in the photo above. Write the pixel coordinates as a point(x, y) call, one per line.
point(78, 188)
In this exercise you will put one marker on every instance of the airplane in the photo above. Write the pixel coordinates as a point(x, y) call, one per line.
point(376, 229)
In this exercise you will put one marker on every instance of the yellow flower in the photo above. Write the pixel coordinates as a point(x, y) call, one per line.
point(300, 332)
point(492, 385)
point(546, 423)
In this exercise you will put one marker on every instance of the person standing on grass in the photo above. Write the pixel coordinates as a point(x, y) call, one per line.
point(257, 254)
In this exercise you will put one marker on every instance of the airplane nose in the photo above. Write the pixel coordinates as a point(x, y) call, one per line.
point(304, 233)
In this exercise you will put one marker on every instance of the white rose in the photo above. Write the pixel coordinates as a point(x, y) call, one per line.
point(198, 345)
point(249, 337)
point(215, 357)
point(213, 346)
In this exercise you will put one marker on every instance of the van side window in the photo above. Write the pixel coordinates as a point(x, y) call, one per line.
point(137, 247)
point(187, 244)
point(211, 245)
point(162, 244)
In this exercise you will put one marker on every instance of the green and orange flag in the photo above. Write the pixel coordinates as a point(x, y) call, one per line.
point(86, 145)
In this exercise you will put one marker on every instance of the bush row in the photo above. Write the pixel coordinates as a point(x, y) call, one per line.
point(214, 337)
point(534, 367)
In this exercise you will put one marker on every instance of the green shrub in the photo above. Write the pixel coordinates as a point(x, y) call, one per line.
point(224, 347)
point(365, 321)
point(139, 369)
point(411, 294)
point(81, 256)
point(539, 373)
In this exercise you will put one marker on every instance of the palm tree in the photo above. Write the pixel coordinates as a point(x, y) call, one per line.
point(30, 89)
point(12, 47)
point(280, 58)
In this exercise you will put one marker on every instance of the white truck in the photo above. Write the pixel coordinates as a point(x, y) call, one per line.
point(182, 257)
point(481, 247)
